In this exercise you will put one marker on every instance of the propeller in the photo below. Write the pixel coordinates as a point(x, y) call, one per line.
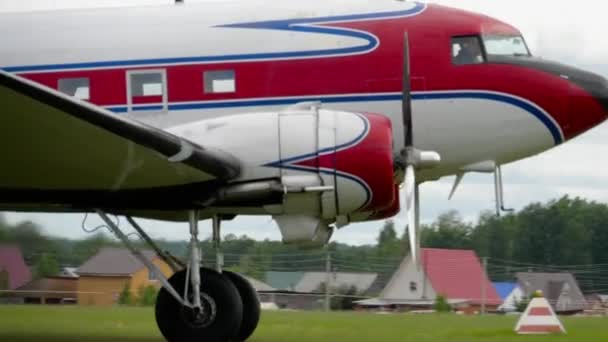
point(411, 158)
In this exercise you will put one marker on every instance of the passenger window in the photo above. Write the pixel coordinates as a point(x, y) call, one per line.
point(77, 87)
point(221, 81)
point(467, 50)
point(147, 84)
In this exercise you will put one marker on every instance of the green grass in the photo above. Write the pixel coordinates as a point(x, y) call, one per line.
point(71, 324)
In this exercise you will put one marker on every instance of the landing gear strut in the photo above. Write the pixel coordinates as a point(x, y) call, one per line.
point(198, 304)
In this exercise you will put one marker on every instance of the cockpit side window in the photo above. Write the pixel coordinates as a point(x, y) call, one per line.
point(467, 50)
point(505, 45)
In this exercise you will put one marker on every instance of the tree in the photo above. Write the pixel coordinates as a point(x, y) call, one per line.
point(388, 243)
point(147, 295)
point(441, 304)
point(4, 279)
point(522, 304)
point(125, 297)
point(46, 266)
point(342, 298)
point(448, 231)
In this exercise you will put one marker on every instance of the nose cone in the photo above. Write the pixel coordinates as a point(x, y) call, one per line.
point(602, 95)
point(588, 100)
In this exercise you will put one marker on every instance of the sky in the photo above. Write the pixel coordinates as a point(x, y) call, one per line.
point(566, 31)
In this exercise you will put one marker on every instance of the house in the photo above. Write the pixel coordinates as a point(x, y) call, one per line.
point(258, 285)
point(560, 289)
point(305, 290)
point(104, 276)
point(285, 281)
point(314, 281)
point(51, 290)
point(597, 304)
point(510, 294)
point(454, 274)
point(13, 270)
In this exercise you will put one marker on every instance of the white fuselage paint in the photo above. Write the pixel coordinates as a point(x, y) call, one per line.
point(462, 131)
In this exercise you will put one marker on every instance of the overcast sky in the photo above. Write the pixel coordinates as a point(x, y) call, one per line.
point(572, 32)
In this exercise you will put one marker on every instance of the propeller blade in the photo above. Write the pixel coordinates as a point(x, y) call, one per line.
point(406, 105)
point(410, 206)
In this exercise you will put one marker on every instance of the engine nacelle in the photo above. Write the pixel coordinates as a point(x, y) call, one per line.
point(331, 164)
point(304, 230)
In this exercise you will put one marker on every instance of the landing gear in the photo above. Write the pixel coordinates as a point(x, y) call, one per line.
point(217, 319)
point(197, 304)
point(251, 305)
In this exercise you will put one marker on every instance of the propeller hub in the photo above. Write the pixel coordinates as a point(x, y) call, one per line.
point(420, 159)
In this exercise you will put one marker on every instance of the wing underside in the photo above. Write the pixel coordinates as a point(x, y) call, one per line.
point(59, 152)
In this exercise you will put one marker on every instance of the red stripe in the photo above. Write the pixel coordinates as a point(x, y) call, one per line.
point(540, 311)
point(540, 329)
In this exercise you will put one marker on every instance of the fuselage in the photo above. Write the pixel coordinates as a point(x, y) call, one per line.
point(346, 54)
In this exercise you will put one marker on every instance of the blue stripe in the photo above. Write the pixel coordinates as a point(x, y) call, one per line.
point(286, 24)
point(269, 102)
point(284, 162)
point(540, 115)
point(151, 107)
point(289, 163)
point(293, 25)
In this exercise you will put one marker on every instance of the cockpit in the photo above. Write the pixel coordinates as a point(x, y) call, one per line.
point(475, 49)
point(505, 45)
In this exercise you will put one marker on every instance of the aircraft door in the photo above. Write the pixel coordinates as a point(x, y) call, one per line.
point(147, 91)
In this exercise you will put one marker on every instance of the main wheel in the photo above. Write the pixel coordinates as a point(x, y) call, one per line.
point(220, 316)
point(251, 305)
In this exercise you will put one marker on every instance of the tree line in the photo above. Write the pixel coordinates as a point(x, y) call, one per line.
point(556, 235)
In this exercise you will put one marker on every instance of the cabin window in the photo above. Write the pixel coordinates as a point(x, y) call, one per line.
point(220, 81)
point(147, 84)
point(76, 87)
point(151, 276)
point(467, 50)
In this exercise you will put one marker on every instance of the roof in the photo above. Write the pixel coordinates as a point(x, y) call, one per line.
point(311, 281)
point(11, 261)
point(259, 285)
point(457, 274)
point(112, 261)
point(283, 280)
point(504, 289)
point(56, 287)
point(560, 289)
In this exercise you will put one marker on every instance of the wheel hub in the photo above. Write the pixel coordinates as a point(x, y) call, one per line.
point(203, 317)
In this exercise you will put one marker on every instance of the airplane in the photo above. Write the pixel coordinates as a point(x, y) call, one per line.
point(314, 112)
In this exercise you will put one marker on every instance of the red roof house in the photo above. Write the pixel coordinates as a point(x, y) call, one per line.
point(456, 274)
point(12, 263)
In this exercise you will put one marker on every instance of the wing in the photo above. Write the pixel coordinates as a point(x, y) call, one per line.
point(59, 151)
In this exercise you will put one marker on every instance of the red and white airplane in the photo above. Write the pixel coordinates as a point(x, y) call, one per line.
point(313, 112)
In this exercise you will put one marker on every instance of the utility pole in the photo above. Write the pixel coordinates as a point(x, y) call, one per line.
point(483, 284)
point(327, 280)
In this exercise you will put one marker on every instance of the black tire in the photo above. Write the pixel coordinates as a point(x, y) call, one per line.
point(219, 296)
point(251, 305)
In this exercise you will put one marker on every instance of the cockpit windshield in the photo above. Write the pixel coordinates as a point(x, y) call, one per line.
point(505, 45)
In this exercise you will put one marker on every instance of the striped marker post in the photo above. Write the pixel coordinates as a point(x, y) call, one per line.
point(539, 318)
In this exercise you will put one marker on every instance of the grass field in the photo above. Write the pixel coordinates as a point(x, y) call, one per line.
point(71, 324)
